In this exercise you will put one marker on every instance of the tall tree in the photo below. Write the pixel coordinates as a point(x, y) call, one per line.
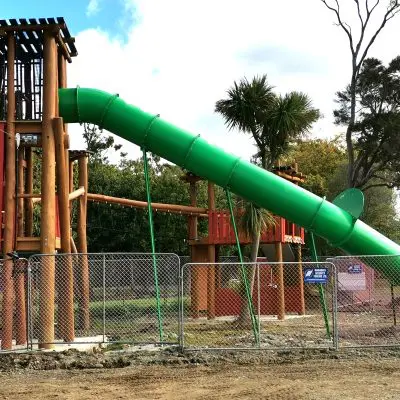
point(273, 121)
point(359, 45)
point(375, 140)
point(324, 164)
point(97, 143)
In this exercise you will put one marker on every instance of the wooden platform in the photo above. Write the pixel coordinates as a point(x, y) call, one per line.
point(32, 244)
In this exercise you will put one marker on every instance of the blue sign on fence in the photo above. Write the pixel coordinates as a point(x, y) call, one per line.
point(316, 275)
point(354, 269)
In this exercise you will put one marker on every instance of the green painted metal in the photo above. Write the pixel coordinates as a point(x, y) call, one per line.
point(352, 201)
point(153, 246)
point(245, 279)
point(321, 289)
point(263, 188)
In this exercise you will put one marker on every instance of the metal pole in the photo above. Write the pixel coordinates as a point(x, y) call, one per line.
point(153, 246)
point(259, 303)
point(335, 308)
point(104, 298)
point(393, 305)
point(29, 306)
point(181, 307)
point(321, 290)
point(242, 268)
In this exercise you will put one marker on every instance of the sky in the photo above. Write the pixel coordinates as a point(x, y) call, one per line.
point(178, 57)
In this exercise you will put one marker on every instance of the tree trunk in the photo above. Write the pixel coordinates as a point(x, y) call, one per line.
point(244, 316)
point(349, 139)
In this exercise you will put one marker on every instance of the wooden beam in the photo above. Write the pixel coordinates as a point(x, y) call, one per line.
point(32, 27)
point(29, 188)
point(66, 273)
point(76, 193)
point(32, 244)
point(63, 47)
point(9, 206)
point(83, 292)
point(48, 184)
point(28, 126)
point(172, 208)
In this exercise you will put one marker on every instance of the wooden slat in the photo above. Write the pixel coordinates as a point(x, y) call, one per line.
point(28, 126)
point(11, 28)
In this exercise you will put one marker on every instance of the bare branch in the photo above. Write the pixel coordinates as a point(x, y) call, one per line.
point(359, 12)
point(373, 8)
point(388, 185)
point(342, 24)
point(390, 13)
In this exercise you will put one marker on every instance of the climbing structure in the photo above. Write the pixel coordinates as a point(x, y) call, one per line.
point(207, 294)
point(33, 139)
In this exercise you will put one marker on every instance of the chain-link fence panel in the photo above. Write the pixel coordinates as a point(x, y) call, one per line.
point(14, 303)
point(258, 305)
point(368, 300)
point(113, 297)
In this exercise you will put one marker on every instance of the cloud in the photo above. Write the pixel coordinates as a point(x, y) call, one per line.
point(179, 57)
point(93, 8)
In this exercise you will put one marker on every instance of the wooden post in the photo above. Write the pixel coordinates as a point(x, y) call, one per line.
point(20, 191)
point(281, 282)
point(211, 257)
point(193, 202)
point(48, 212)
point(66, 275)
point(194, 271)
point(62, 83)
point(71, 183)
point(19, 270)
point(29, 190)
point(83, 277)
point(9, 206)
point(302, 310)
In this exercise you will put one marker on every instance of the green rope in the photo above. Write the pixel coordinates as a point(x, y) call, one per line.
point(321, 290)
point(153, 247)
point(243, 271)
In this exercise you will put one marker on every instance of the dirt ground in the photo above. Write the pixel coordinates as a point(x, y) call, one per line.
point(301, 376)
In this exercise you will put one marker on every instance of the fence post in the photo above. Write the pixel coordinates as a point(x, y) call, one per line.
point(28, 306)
point(104, 298)
point(181, 305)
point(335, 308)
point(259, 304)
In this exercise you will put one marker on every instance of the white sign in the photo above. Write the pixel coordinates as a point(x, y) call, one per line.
point(352, 282)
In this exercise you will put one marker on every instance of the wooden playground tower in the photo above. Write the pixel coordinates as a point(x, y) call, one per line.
point(34, 146)
point(33, 60)
point(205, 282)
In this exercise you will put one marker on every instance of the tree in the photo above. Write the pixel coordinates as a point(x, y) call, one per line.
point(253, 222)
point(359, 47)
point(376, 125)
point(321, 160)
point(324, 164)
point(273, 121)
point(97, 143)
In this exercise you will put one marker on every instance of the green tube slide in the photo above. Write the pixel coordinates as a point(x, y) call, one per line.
point(263, 188)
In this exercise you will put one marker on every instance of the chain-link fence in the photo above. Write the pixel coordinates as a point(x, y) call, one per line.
point(368, 300)
point(14, 302)
point(346, 302)
point(125, 298)
point(258, 305)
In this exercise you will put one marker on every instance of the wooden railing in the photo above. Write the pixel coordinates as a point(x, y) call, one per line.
point(220, 230)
